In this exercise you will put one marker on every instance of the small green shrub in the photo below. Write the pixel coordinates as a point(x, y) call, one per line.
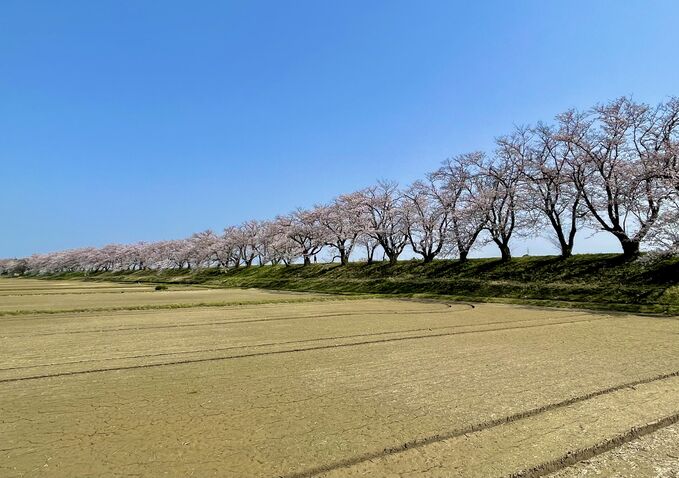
point(161, 287)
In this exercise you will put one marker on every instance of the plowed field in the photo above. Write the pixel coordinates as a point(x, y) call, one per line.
point(249, 383)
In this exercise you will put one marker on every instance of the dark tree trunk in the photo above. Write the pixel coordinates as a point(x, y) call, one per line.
point(307, 260)
point(463, 255)
point(630, 248)
point(370, 251)
point(505, 252)
point(566, 245)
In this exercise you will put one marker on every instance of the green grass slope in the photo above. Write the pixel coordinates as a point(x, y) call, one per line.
point(596, 281)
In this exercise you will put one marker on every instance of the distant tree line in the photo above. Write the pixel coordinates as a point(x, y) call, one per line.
point(613, 167)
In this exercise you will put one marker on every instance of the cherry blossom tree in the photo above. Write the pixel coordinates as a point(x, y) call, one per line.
point(204, 248)
point(459, 185)
point(426, 212)
point(342, 222)
point(13, 266)
point(618, 183)
point(383, 204)
point(615, 166)
point(303, 228)
point(283, 248)
point(549, 179)
point(498, 183)
point(665, 237)
point(369, 245)
point(657, 140)
point(245, 239)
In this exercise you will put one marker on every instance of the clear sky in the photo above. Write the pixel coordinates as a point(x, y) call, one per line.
point(134, 120)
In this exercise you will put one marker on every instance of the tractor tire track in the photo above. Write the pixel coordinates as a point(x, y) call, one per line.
point(572, 457)
point(57, 294)
point(534, 472)
point(249, 321)
point(288, 351)
point(242, 305)
point(273, 344)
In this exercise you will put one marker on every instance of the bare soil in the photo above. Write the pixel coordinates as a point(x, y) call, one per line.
point(655, 455)
point(369, 387)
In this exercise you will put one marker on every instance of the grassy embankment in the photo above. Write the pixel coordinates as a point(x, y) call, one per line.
point(596, 281)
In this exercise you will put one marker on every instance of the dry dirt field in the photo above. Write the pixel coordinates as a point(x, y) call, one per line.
point(111, 380)
point(38, 296)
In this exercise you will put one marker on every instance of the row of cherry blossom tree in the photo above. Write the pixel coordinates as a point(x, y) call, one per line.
point(614, 167)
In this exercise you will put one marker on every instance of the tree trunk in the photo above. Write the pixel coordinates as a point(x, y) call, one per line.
point(566, 246)
point(463, 256)
point(630, 248)
point(344, 257)
point(307, 260)
point(505, 252)
point(393, 258)
point(370, 251)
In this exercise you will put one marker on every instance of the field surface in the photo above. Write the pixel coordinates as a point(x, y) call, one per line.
point(647, 284)
point(123, 380)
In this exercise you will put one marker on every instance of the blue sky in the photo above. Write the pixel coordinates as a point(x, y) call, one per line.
point(137, 120)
